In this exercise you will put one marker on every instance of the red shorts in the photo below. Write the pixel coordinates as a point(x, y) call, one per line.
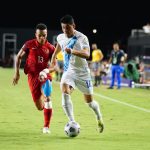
point(35, 85)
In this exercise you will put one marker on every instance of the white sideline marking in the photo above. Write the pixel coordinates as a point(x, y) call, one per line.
point(117, 101)
point(123, 103)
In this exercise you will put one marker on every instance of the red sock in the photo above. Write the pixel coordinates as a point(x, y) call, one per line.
point(47, 116)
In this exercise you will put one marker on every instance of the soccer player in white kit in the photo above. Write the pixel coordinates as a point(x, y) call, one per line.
point(75, 48)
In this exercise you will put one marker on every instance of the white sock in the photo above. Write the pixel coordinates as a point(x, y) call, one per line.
point(48, 105)
point(95, 107)
point(67, 106)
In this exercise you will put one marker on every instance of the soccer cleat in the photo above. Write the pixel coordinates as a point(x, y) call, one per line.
point(110, 87)
point(100, 126)
point(46, 130)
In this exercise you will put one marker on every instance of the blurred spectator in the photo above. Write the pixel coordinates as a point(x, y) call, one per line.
point(60, 66)
point(140, 68)
point(104, 69)
point(117, 60)
point(97, 56)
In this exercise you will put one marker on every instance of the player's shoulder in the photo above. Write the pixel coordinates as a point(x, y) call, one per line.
point(32, 41)
point(121, 50)
point(50, 45)
point(80, 35)
point(60, 37)
point(29, 43)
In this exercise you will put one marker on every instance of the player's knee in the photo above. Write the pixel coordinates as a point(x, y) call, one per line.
point(88, 98)
point(66, 91)
point(65, 88)
point(47, 99)
point(39, 108)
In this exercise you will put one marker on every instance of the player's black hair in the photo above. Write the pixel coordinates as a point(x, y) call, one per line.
point(117, 42)
point(67, 19)
point(41, 26)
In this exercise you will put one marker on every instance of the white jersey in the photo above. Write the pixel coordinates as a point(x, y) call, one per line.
point(75, 65)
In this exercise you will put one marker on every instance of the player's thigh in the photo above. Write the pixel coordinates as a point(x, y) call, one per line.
point(85, 86)
point(67, 81)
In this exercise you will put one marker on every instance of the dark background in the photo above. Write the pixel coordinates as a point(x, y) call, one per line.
point(113, 20)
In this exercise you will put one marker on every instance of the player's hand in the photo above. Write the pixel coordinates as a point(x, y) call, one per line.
point(16, 78)
point(68, 50)
point(43, 74)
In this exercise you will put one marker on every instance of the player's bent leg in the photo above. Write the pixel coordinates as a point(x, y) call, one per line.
point(39, 103)
point(46, 90)
point(66, 102)
point(95, 107)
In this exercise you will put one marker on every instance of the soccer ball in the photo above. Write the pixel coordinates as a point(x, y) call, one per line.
point(72, 129)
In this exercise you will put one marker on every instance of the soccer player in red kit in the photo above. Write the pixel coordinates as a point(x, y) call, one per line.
point(38, 52)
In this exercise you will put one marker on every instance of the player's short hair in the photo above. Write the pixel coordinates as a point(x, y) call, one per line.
point(67, 19)
point(117, 42)
point(41, 26)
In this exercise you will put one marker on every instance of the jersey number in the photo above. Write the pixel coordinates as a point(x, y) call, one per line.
point(88, 83)
point(40, 59)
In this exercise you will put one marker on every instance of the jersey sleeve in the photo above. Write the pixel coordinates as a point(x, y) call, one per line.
point(122, 53)
point(85, 43)
point(25, 47)
point(58, 38)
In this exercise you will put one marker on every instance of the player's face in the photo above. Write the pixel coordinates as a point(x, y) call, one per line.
point(68, 29)
point(41, 36)
point(116, 47)
point(94, 46)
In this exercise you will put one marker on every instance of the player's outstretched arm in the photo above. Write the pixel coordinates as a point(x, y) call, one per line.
point(16, 77)
point(53, 59)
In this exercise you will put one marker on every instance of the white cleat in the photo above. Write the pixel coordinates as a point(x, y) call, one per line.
point(100, 126)
point(46, 130)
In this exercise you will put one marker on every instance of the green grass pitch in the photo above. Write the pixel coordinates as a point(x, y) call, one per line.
point(126, 114)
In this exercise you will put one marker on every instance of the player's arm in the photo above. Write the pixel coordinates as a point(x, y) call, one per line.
point(124, 58)
point(44, 72)
point(54, 56)
point(85, 50)
point(110, 60)
point(101, 55)
point(19, 57)
point(84, 53)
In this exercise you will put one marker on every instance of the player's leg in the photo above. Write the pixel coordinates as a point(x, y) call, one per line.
point(87, 89)
point(112, 76)
point(118, 73)
point(46, 90)
point(93, 104)
point(39, 103)
point(67, 102)
point(98, 74)
point(67, 87)
point(95, 73)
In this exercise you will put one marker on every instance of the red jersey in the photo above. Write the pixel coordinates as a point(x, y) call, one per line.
point(38, 56)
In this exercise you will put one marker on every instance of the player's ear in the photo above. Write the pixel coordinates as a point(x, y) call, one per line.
point(74, 26)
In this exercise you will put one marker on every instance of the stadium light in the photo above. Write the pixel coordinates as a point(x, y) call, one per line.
point(94, 31)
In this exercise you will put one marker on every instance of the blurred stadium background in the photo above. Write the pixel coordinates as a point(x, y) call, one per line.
point(137, 48)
